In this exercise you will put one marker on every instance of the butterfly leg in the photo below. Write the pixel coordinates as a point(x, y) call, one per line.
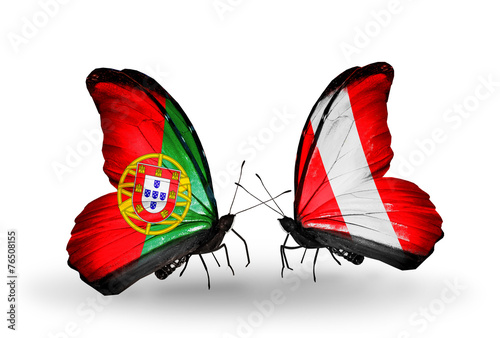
point(185, 266)
point(216, 261)
point(206, 269)
point(283, 255)
point(304, 255)
point(246, 246)
point(314, 264)
point(227, 256)
point(335, 258)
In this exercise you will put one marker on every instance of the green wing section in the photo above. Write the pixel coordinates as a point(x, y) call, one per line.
point(183, 125)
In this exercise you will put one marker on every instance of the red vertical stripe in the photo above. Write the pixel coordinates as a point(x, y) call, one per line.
point(409, 209)
point(369, 107)
point(324, 201)
point(132, 126)
point(306, 145)
point(412, 214)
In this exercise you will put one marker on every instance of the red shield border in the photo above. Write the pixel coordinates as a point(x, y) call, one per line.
point(144, 169)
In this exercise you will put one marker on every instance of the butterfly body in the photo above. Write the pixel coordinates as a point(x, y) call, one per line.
point(147, 138)
point(353, 249)
point(303, 237)
point(314, 239)
point(216, 235)
point(211, 242)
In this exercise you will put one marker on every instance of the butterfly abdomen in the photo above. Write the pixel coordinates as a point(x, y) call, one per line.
point(168, 269)
point(350, 256)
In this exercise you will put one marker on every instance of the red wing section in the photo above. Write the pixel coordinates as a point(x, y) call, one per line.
point(341, 189)
point(111, 256)
point(412, 215)
point(179, 118)
point(307, 141)
point(102, 243)
point(131, 120)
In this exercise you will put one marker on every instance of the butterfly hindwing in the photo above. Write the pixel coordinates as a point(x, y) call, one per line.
point(110, 255)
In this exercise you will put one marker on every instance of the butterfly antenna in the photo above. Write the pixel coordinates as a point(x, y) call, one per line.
point(237, 186)
point(265, 203)
point(261, 202)
point(260, 179)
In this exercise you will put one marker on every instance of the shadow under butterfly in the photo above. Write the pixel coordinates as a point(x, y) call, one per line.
point(343, 202)
point(164, 210)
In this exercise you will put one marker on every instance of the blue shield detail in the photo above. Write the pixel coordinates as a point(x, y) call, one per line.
point(153, 205)
point(163, 195)
point(147, 192)
point(155, 194)
point(157, 184)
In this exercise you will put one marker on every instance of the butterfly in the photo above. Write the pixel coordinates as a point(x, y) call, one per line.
point(343, 202)
point(164, 210)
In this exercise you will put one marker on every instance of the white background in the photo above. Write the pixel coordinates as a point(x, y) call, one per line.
point(234, 70)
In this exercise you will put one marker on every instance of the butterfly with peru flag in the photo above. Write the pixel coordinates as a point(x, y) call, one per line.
point(343, 202)
point(164, 210)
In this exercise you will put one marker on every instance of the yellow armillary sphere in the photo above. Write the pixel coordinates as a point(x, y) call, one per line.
point(157, 196)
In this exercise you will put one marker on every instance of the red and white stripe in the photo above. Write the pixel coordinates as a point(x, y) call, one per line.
point(350, 177)
point(343, 189)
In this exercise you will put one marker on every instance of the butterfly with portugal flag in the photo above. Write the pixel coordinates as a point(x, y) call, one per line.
point(164, 210)
point(343, 202)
